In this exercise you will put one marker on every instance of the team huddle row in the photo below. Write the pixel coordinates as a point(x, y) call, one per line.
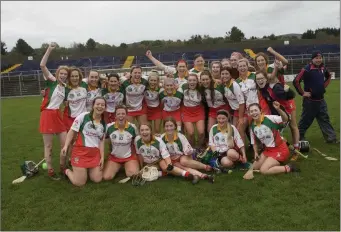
point(226, 104)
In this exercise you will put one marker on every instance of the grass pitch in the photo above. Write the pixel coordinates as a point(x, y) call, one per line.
point(308, 201)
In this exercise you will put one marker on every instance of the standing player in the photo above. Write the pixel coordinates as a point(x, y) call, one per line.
point(316, 78)
point(265, 129)
point(215, 70)
point(133, 90)
point(151, 96)
point(193, 110)
point(235, 99)
point(213, 94)
point(75, 97)
point(199, 64)
point(121, 135)
point(180, 72)
point(88, 151)
point(171, 98)
point(113, 96)
point(50, 118)
point(92, 84)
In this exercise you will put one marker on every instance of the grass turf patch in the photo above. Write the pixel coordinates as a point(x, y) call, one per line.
point(308, 201)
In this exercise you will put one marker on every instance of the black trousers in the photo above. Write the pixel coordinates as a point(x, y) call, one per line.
point(318, 110)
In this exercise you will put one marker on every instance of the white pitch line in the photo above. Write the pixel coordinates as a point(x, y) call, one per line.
point(22, 122)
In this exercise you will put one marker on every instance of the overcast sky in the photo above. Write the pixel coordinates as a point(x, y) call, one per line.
point(128, 22)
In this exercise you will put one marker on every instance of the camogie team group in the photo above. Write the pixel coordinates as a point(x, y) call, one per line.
point(228, 106)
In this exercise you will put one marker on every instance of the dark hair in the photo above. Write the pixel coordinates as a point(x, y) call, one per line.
point(169, 119)
point(102, 115)
point(196, 56)
point(226, 69)
point(121, 107)
point(110, 75)
point(211, 87)
point(197, 88)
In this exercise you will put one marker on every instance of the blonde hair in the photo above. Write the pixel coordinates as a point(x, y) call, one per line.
point(66, 68)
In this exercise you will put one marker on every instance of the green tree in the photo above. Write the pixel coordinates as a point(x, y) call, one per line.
point(309, 34)
point(123, 45)
point(91, 44)
point(23, 48)
point(3, 48)
point(272, 37)
point(235, 34)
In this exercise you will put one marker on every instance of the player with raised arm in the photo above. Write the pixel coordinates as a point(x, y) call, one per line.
point(51, 122)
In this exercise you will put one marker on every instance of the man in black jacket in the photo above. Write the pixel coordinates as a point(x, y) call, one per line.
point(315, 78)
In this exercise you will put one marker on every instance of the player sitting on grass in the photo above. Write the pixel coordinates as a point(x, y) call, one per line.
point(152, 150)
point(181, 152)
point(226, 142)
point(265, 129)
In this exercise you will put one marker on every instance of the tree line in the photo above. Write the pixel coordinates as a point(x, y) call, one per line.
point(235, 35)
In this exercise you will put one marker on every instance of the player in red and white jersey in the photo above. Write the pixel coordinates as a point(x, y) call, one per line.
point(193, 110)
point(179, 72)
point(235, 99)
point(75, 97)
point(133, 90)
point(113, 95)
point(88, 152)
point(151, 149)
point(50, 118)
point(226, 140)
point(93, 86)
point(265, 130)
point(272, 90)
point(171, 98)
point(121, 135)
point(213, 95)
point(151, 96)
point(181, 151)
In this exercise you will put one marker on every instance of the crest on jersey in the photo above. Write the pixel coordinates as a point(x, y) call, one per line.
point(216, 138)
point(129, 89)
point(113, 136)
point(141, 150)
point(90, 126)
point(89, 94)
point(78, 94)
point(120, 137)
point(71, 95)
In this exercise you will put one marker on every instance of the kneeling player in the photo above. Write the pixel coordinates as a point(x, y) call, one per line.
point(225, 140)
point(266, 130)
point(121, 134)
point(88, 151)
